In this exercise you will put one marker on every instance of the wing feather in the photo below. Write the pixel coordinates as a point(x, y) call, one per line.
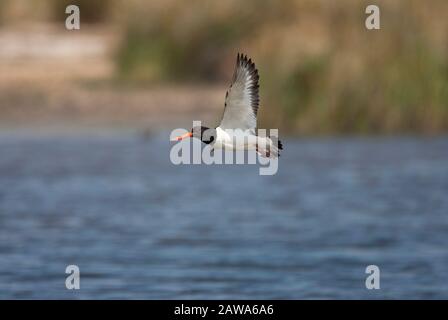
point(242, 98)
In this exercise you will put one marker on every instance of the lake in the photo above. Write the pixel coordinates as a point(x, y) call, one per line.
point(140, 227)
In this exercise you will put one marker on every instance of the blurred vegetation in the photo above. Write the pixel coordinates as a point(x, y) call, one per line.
point(91, 11)
point(175, 42)
point(321, 70)
point(2, 11)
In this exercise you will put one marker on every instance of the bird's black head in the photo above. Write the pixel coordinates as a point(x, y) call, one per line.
point(206, 135)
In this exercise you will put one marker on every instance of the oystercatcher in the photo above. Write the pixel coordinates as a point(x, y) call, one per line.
point(238, 127)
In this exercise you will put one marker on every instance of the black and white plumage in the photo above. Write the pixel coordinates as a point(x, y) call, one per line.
point(242, 99)
point(237, 130)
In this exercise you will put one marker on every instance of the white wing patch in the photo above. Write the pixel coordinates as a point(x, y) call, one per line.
point(242, 99)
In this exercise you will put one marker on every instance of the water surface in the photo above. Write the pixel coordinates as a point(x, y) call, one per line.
point(140, 227)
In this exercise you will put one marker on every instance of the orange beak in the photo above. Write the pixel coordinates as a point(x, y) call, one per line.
point(187, 135)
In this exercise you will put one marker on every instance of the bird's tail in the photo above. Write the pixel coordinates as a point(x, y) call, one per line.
point(269, 147)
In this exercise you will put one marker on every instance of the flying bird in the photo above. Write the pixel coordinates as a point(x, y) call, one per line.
point(237, 130)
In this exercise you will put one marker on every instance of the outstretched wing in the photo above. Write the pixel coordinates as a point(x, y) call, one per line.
point(241, 104)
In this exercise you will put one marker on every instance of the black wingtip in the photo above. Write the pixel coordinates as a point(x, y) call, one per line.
point(243, 60)
point(246, 65)
point(280, 145)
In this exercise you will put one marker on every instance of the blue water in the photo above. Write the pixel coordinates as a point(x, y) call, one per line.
point(140, 227)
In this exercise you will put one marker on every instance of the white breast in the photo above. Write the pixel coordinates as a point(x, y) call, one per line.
point(234, 139)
